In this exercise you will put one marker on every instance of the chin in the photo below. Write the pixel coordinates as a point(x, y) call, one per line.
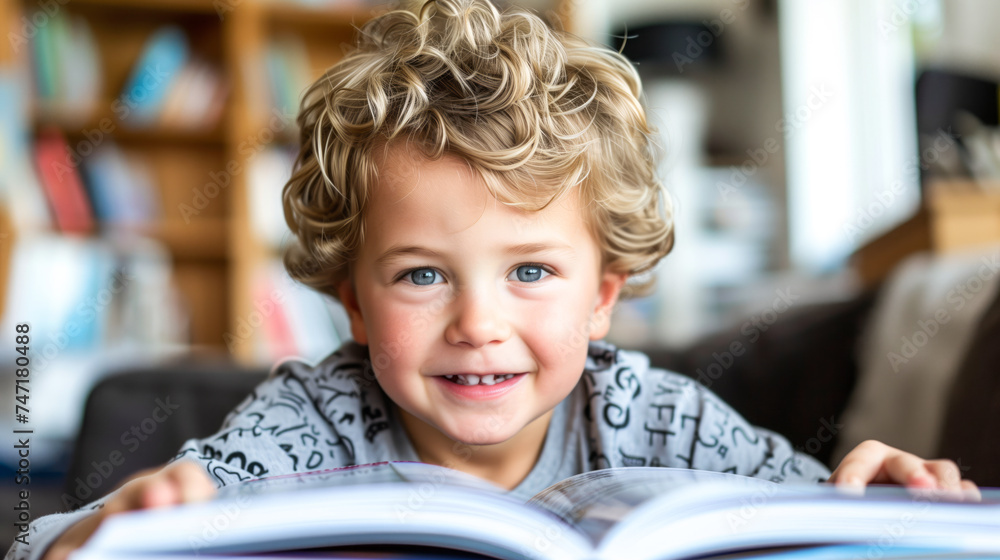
point(480, 433)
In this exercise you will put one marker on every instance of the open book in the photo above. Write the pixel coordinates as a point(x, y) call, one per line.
point(623, 513)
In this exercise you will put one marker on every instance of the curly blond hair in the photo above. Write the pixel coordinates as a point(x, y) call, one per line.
point(534, 111)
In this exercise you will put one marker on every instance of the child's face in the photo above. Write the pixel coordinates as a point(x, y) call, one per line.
point(450, 281)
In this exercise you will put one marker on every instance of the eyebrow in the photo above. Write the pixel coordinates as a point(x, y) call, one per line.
point(522, 249)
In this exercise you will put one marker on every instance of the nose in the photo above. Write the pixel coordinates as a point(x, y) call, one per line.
point(478, 319)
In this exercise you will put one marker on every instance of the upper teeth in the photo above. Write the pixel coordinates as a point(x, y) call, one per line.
point(473, 379)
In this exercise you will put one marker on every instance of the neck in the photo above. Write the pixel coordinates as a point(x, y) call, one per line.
point(506, 463)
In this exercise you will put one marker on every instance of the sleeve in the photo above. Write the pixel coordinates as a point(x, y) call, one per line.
point(709, 435)
point(43, 531)
point(264, 435)
point(276, 430)
point(644, 416)
point(724, 441)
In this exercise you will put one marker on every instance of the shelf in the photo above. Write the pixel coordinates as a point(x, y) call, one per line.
point(204, 239)
point(964, 214)
point(99, 124)
point(964, 196)
point(171, 6)
point(165, 135)
point(293, 14)
point(957, 215)
point(216, 256)
point(214, 137)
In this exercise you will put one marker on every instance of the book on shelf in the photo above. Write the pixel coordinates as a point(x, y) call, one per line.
point(108, 188)
point(154, 72)
point(279, 341)
point(61, 181)
point(65, 65)
point(297, 322)
point(634, 513)
point(287, 61)
point(121, 187)
point(196, 99)
point(168, 85)
point(20, 191)
point(269, 170)
point(172, 87)
point(119, 293)
point(38, 288)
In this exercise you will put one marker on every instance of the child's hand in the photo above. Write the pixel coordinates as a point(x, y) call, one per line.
point(875, 462)
point(179, 482)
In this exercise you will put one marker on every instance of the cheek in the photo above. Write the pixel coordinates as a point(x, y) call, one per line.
point(557, 330)
point(398, 334)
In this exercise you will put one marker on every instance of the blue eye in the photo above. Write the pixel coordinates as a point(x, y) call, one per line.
point(422, 276)
point(530, 273)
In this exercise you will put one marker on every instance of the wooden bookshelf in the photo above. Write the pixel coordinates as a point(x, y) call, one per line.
point(964, 214)
point(956, 215)
point(159, 6)
point(216, 253)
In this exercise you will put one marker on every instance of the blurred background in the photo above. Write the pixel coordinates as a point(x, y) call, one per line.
point(810, 148)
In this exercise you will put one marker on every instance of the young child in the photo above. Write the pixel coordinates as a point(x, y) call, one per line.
point(476, 189)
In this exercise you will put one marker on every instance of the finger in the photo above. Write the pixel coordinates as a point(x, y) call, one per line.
point(861, 465)
point(158, 492)
point(908, 469)
point(971, 491)
point(127, 496)
point(947, 474)
point(191, 481)
point(146, 489)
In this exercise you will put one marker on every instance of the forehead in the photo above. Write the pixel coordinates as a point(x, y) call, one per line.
point(446, 190)
point(414, 193)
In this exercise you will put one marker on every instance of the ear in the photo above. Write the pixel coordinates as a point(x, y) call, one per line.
point(607, 295)
point(349, 299)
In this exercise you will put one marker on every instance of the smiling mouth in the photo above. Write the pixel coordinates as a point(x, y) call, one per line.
point(473, 379)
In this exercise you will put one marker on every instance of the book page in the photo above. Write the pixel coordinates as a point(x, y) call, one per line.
point(397, 503)
point(712, 518)
point(386, 472)
point(594, 502)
